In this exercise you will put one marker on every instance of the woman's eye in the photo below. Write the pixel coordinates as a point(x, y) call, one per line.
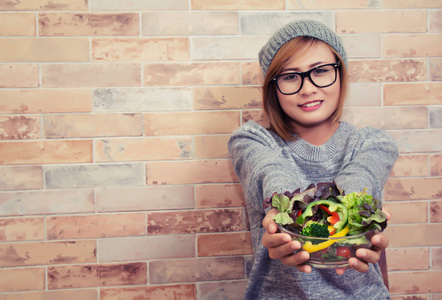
point(321, 71)
point(290, 77)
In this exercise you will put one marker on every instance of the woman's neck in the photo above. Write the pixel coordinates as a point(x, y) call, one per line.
point(318, 134)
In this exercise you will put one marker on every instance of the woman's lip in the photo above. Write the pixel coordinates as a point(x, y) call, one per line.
point(314, 105)
point(311, 102)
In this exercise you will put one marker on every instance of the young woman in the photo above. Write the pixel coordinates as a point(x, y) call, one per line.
point(305, 70)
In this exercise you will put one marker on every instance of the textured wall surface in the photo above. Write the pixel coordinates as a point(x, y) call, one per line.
point(115, 181)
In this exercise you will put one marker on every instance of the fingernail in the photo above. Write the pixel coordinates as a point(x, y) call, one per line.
point(286, 238)
point(362, 254)
point(376, 240)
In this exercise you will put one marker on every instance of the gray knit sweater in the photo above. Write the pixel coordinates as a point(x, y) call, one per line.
point(265, 163)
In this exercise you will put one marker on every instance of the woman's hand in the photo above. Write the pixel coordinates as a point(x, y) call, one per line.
point(281, 246)
point(366, 256)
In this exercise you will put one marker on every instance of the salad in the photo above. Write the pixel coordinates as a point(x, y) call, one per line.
point(323, 211)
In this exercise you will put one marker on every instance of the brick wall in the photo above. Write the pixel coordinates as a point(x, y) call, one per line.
point(115, 181)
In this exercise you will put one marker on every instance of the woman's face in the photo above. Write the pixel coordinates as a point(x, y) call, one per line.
point(311, 106)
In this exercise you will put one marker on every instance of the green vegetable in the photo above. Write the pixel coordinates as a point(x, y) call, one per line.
point(364, 212)
point(284, 205)
point(315, 229)
point(332, 207)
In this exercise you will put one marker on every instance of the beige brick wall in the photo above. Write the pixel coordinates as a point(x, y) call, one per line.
point(115, 181)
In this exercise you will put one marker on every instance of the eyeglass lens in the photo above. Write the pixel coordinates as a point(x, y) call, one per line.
point(322, 76)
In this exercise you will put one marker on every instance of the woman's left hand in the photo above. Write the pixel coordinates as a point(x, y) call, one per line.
point(366, 256)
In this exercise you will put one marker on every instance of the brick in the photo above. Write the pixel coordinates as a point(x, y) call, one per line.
point(435, 117)
point(91, 75)
point(19, 76)
point(22, 229)
point(406, 212)
point(15, 280)
point(19, 127)
point(415, 282)
point(224, 244)
point(190, 172)
point(140, 49)
point(46, 5)
point(436, 164)
point(46, 202)
point(45, 152)
point(92, 125)
point(255, 115)
point(227, 98)
point(418, 140)
point(387, 70)
point(387, 117)
point(144, 198)
point(436, 211)
point(42, 253)
point(251, 74)
point(79, 276)
point(266, 23)
point(411, 45)
point(410, 165)
point(138, 5)
point(410, 4)
point(146, 248)
point(217, 290)
point(198, 269)
point(194, 221)
point(44, 49)
point(413, 297)
point(83, 294)
point(413, 189)
point(176, 292)
point(363, 94)
point(338, 4)
point(436, 258)
point(24, 24)
point(190, 123)
point(194, 73)
point(189, 23)
point(88, 24)
point(219, 195)
point(211, 146)
point(21, 178)
point(422, 235)
point(429, 93)
point(435, 20)
point(387, 21)
point(136, 149)
point(95, 226)
point(227, 48)
point(435, 69)
point(238, 5)
point(45, 101)
point(142, 99)
point(416, 258)
point(362, 45)
point(97, 175)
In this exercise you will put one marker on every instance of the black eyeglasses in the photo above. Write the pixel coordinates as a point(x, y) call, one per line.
point(321, 76)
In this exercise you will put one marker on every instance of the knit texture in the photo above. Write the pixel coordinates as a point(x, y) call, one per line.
point(265, 163)
point(295, 29)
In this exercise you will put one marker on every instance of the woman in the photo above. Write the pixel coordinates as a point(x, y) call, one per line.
point(305, 70)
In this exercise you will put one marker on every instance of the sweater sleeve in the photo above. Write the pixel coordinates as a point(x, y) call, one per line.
point(370, 164)
point(261, 165)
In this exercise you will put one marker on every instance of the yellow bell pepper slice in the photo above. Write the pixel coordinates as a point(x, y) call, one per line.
point(310, 248)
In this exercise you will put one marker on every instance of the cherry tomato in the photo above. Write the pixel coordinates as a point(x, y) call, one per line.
point(343, 251)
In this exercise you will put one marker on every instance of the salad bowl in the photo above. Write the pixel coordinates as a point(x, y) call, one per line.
point(332, 252)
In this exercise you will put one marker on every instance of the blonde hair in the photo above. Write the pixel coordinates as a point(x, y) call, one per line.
point(279, 121)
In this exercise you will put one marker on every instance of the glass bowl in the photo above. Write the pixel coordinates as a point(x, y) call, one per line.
point(332, 252)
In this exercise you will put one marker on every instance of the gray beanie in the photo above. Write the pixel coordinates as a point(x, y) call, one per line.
point(295, 29)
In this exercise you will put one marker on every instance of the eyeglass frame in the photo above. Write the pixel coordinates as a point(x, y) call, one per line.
point(308, 74)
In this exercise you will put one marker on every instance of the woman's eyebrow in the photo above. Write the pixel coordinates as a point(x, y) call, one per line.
point(309, 67)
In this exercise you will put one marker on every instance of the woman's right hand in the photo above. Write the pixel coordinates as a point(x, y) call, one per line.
point(281, 246)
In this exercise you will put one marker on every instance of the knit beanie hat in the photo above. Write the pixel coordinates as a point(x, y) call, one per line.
point(295, 29)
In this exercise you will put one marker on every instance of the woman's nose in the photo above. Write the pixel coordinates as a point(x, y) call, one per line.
point(308, 87)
